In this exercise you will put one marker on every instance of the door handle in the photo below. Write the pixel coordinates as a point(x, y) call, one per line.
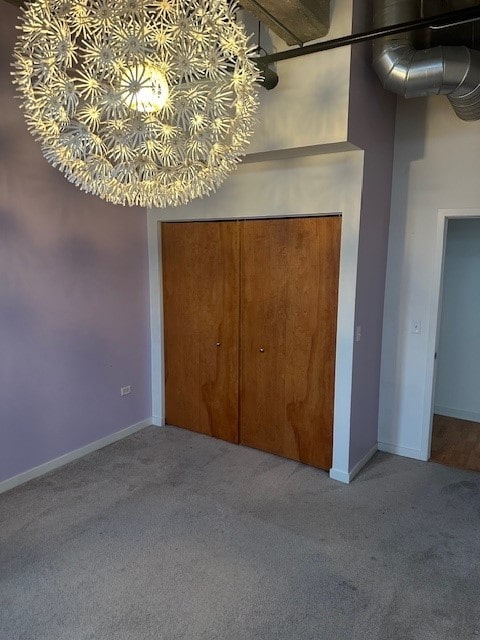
point(218, 344)
point(262, 350)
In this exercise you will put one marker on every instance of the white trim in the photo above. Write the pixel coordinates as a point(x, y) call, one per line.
point(416, 454)
point(158, 421)
point(340, 476)
point(346, 478)
point(315, 185)
point(472, 416)
point(46, 467)
point(156, 317)
point(434, 322)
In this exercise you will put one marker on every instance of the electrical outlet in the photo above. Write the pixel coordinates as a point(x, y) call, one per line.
point(416, 327)
point(125, 390)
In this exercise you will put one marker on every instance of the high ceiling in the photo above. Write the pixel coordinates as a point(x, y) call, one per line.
point(295, 21)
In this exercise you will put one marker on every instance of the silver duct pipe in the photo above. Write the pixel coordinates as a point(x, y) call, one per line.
point(412, 73)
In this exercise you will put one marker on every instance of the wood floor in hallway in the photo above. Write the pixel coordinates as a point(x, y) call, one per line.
point(456, 442)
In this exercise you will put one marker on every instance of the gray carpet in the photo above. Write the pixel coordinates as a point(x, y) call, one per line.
point(170, 535)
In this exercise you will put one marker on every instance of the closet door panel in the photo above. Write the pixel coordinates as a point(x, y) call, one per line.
point(263, 337)
point(288, 329)
point(201, 315)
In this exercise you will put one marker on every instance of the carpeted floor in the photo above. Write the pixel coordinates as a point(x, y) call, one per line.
point(170, 535)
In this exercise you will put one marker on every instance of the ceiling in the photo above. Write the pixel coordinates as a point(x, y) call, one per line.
point(300, 21)
point(461, 34)
point(295, 21)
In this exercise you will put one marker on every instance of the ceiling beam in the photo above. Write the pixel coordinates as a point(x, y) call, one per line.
point(440, 21)
point(295, 21)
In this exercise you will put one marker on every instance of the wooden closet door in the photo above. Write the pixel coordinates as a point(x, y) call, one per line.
point(290, 270)
point(201, 317)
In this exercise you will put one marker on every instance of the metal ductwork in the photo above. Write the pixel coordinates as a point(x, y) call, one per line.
point(453, 71)
point(295, 21)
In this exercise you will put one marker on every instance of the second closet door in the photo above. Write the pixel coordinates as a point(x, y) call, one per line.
point(201, 310)
point(288, 328)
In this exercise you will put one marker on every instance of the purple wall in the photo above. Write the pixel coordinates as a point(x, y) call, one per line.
point(74, 302)
point(372, 128)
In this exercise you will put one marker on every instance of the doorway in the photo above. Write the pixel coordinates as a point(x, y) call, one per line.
point(456, 392)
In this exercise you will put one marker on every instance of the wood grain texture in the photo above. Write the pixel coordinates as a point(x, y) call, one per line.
point(201, 308)
point(289, 293)
point(456, 442)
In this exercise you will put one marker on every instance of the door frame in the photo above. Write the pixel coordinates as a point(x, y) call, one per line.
point(443, 217)
point(297, 186)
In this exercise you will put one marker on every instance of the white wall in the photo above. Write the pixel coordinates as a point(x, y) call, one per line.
point(457, 391)
point(309, 106)
point(435, 167)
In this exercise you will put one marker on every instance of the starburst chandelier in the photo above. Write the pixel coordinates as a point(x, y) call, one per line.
point(141, 102)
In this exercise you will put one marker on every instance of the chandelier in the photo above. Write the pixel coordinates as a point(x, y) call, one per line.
point(141, 102)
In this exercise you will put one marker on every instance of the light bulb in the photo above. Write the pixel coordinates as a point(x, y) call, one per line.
point(144, 88)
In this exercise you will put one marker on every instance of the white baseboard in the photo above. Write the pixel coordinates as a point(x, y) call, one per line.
point(416, 454)
point(158, 421)
point(472, 416)
point(46, 467)
point(347, 477)
point(340, 476)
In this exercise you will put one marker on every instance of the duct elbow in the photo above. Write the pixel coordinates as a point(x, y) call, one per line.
point(391, 65)
point(412, 73)
point(465, 99)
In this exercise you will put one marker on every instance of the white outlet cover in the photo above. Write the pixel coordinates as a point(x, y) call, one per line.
point(416, 327)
